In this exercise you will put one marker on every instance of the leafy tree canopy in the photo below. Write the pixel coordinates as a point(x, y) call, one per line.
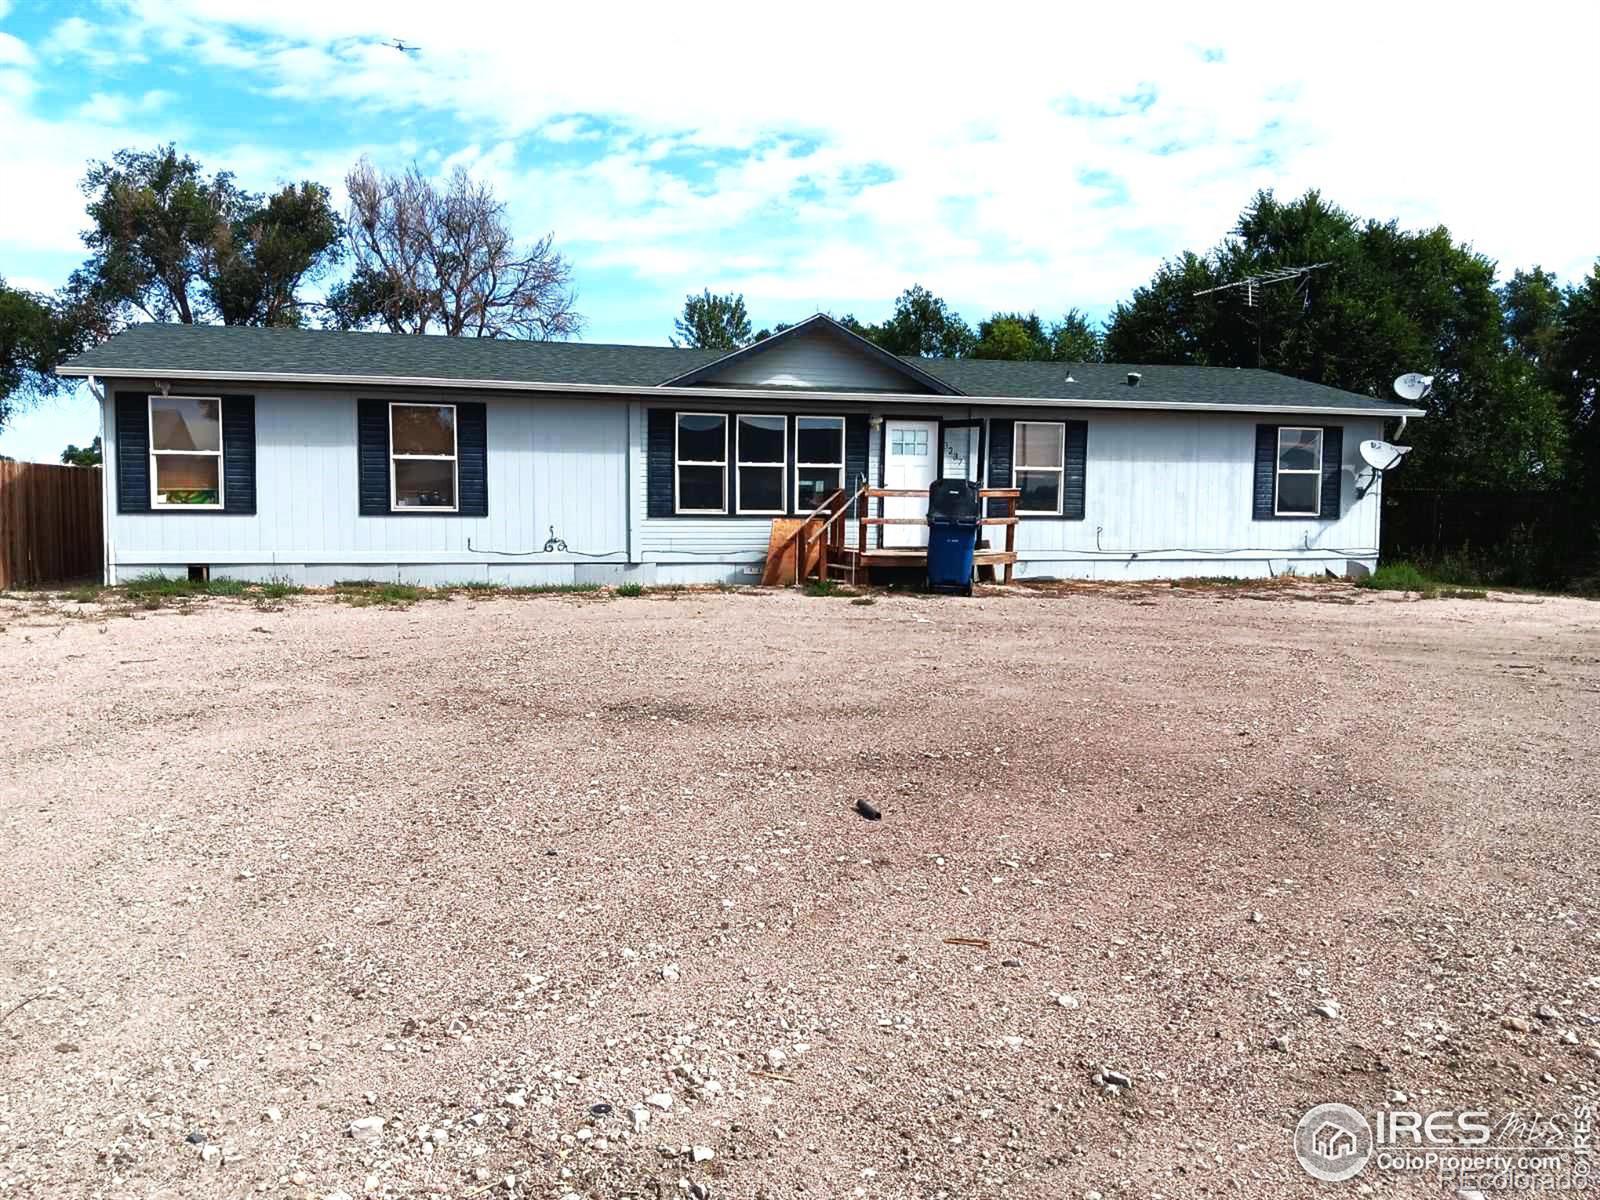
point(82, 456)
point(36, 333)
point(714, 322)
point(170, 243)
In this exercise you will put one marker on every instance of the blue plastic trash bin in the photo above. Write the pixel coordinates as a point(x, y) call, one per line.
point(953, 507)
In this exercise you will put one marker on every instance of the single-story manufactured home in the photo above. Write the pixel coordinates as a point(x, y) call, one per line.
point(316, 456)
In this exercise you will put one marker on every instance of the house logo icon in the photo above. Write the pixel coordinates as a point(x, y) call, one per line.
point(1333, 1142)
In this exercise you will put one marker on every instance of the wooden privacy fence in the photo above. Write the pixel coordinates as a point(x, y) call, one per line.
point(50, 523)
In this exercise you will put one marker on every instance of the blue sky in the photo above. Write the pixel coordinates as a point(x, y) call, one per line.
point(1026, 158)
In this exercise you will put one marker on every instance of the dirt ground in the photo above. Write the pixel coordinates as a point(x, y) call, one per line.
point(481, 867)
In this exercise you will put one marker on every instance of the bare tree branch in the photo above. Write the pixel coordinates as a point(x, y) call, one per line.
point(428, 257)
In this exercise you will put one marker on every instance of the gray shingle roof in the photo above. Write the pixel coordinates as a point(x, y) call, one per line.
point(250, 354)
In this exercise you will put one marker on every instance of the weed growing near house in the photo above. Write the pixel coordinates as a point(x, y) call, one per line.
point(363, 592)
point(551, 589)
point(829, 587)
point(1407, 577)
point(277, 589)
point(159, 587)
point(629, 589)
point(87, 594)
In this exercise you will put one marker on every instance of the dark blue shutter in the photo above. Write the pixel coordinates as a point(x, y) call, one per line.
point(658, 484)
point(239, 455)
point(1332, 471)
point(1001, 436)
point(472, 459)
point(855, 452)
point(1266, 473)
point(1074, 477)
point(372, 457)
point(133, 452)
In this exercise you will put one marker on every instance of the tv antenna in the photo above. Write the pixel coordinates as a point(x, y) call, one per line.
point(1251, 285)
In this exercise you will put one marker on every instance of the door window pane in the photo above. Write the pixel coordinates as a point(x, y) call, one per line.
point(424, 483)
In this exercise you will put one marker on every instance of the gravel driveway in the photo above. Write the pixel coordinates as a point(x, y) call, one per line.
point(567, 895)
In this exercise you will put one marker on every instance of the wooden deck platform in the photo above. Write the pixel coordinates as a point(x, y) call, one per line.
point(817, 543)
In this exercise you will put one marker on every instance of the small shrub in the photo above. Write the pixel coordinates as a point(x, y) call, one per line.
point(1398, 577)
point(87, 594)
point(829, 587)
point(221, 587)
point(471, 585)
point(629, 589)
point(277, 589)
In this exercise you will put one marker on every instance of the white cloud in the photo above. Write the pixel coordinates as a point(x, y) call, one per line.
point(1046, 159)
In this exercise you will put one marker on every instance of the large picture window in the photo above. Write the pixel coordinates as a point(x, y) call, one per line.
point(1038, 457)
point(818, 460)
point(422, 456)
point(186, 452)
point(1298, 492)
point(701, 463)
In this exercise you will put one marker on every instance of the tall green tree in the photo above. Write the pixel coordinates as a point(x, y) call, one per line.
point(83, 456)
point(36, 333)
point(921, 326)
point(170, 243)
point(713, 322)
point(1390, 301)
point(1074, 339)
point(1019, 337)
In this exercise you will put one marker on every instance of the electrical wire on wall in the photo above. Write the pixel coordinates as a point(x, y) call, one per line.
point(1275, 551)
point(556, 545)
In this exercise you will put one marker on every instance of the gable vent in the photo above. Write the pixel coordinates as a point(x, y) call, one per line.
point(1133, 378)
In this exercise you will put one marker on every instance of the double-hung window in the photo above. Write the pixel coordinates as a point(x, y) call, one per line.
point(186, 452)
point(818, 460)
point(422, 456)
point(1038, 455)
point(1298, 487)
point(763, 455)
point(700, 460)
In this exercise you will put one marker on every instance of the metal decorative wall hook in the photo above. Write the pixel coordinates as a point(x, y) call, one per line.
point(554, 545)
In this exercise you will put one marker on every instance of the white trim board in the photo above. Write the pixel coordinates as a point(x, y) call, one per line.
point(666, 395)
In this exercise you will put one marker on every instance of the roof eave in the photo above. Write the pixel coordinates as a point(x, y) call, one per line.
point(661, 391)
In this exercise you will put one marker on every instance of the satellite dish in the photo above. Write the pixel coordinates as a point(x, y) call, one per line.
point(1382, 456)
point(1412, 386)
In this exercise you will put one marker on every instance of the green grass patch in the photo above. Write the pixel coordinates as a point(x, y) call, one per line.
point(87, 594)
point(158, 587)
point(829, 587)
point(360, 593)
point(629, 590)
point(552, 589)
point(277, 589)
point(1408, 577)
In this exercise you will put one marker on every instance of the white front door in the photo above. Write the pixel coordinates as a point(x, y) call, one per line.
point(911, 460)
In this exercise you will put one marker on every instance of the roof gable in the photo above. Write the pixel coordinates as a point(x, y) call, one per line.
point(819, 354)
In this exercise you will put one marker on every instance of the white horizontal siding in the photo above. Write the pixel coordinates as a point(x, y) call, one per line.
point(558, 462)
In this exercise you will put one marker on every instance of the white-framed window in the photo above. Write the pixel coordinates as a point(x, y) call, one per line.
point(1038, 457)
point(423, 464)
point(762, 457)
point(186, 452)
point(700, 463)
point(818, 460)
point(1298, 488)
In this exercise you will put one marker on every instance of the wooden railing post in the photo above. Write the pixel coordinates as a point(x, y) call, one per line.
point(1011, 535)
